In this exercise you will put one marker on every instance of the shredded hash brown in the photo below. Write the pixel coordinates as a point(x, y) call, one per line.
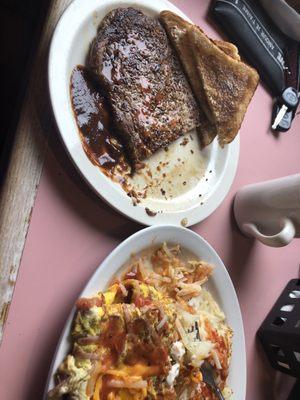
point(147, 335)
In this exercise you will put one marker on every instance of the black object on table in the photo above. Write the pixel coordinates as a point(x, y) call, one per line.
point(284, 109)
point(20, 26)
point(271, 52)
point(279, 334)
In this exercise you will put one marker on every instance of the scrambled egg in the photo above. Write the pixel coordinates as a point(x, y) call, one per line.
point(77, 378)
point(134, 341)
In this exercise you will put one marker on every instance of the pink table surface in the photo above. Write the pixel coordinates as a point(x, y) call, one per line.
point(72, 230)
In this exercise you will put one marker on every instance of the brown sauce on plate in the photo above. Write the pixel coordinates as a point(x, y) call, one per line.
point(99, 141)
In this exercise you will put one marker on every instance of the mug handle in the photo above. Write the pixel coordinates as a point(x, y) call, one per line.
point(282, 238)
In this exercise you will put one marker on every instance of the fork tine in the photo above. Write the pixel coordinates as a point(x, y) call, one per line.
point(207, 373)
point(206, 368)
point(197, 331)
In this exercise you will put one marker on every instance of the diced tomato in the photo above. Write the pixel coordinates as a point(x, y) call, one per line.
point(142, 301)
point(158, 355)
point(107, 361)
point(87, 303)
point(114, 336)
point(134, 273)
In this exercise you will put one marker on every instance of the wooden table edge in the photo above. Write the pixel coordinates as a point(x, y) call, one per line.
point(25, 167)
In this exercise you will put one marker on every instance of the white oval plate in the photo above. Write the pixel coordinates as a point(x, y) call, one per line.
point(206, 176)
point(219, 285)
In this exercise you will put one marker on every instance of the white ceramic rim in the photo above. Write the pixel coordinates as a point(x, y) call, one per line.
point(109, 191)
point(222, 284)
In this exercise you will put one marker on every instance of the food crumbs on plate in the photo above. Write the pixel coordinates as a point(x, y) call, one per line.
point(184, 183)
point(163, 192)
point(140, 165)
point(134, 197)
point(184, 222)
point(150, 212)
point(192, 151)
point(184, 142)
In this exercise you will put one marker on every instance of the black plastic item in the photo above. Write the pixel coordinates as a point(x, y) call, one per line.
point(274, 55)
point(279, 334)
point(260, 41)
point(290, 99)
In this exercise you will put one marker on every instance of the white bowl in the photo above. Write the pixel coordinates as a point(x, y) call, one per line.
point(219, 285)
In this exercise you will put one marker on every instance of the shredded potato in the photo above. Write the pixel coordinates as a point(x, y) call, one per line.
point(149, 335)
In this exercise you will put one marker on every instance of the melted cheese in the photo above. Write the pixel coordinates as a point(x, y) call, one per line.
point(138, 370)
point(110, 294)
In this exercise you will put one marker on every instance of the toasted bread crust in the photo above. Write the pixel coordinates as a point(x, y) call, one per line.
point(176, 29)
point(222, 83)
point(229, 48)
point(228, 84)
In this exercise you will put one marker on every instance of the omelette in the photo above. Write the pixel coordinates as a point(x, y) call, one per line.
point(147, 335)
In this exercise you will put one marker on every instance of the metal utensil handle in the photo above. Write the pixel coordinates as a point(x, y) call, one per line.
point(219, 393)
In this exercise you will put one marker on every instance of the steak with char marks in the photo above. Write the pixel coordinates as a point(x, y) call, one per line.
point(150, 97)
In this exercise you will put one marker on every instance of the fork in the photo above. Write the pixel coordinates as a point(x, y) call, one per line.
point(206, 368)
point(208, 377)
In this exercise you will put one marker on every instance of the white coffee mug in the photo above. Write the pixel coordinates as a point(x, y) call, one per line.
point(270, 211)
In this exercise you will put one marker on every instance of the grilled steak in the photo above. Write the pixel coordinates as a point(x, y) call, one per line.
point(151, 100)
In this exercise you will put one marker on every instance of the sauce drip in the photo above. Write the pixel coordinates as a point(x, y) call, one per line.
point(100, 144)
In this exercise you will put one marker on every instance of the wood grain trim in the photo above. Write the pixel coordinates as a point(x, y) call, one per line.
point(25, 167)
